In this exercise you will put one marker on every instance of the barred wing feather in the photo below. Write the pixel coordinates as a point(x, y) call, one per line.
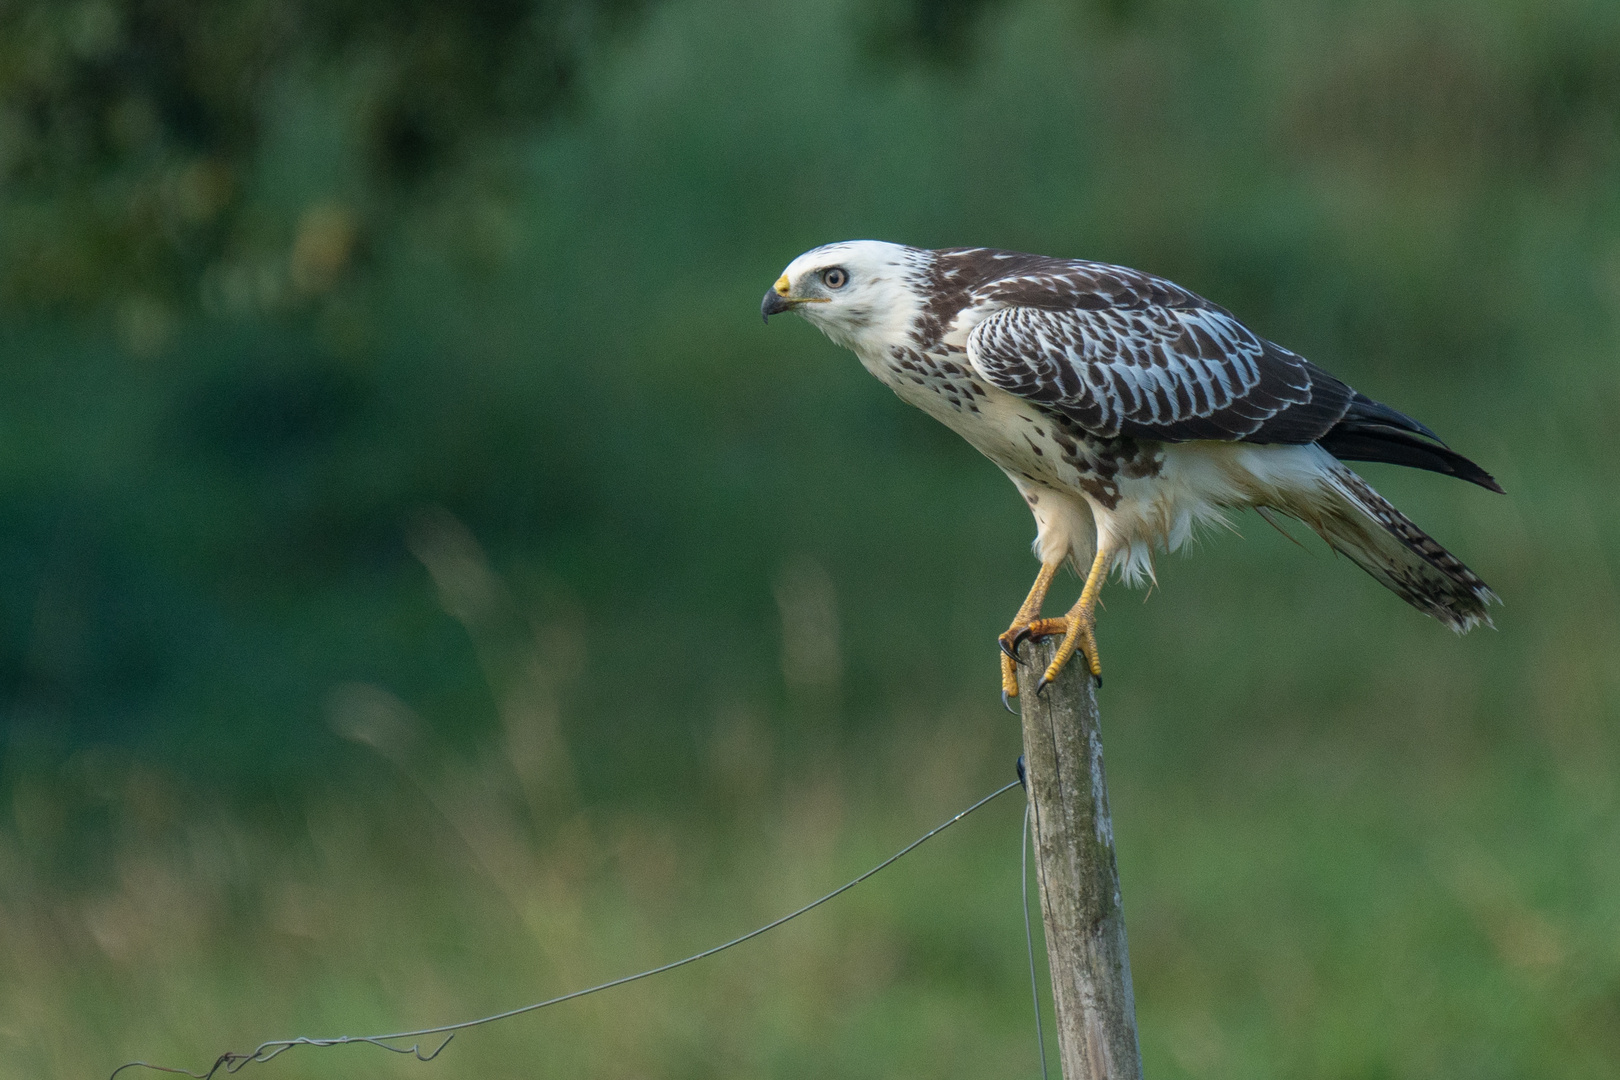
point(1169, 372)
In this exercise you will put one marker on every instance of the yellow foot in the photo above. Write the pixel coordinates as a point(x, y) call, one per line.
point(1078, 627)
point(1015, 635)
point(1027, 613)
point(1079, 630)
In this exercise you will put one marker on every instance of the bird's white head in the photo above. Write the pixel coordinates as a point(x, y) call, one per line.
point(861, 293)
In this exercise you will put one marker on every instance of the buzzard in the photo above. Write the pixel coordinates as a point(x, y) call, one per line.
point(1127, 411)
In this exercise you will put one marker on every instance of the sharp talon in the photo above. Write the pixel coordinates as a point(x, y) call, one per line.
point(1097, 679)
point(1040, 686)
point(1021, 637)
point(1006, 703)
point(1011, 650)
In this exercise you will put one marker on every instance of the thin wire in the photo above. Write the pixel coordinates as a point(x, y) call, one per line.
point(1029, 939)
point(1040, 864)
point(231, 1062)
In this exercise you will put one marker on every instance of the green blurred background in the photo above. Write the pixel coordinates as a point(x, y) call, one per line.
point(428, 588)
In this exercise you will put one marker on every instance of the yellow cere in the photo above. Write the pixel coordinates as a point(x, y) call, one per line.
point(783, 287)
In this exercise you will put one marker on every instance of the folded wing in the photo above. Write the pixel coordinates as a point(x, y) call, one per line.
point(1146, 359)
point(1169, 373)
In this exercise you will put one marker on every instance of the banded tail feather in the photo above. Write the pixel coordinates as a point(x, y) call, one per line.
point(1361, 524)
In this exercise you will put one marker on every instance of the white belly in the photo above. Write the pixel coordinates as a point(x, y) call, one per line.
point(1133, 496)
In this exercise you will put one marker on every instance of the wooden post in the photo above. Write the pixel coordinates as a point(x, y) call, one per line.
point(1079, 884)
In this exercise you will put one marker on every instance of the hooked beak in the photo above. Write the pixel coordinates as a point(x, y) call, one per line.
point(776, 300)
point(775, 303)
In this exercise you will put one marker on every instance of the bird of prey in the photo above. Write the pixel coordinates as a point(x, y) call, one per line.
point(1128, 411)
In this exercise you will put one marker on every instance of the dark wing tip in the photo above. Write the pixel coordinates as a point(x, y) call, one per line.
point(1365, 410)
point(1351, 441)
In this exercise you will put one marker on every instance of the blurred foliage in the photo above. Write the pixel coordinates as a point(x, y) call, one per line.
point(134, 135)
point(526, 507)
point(938, 30)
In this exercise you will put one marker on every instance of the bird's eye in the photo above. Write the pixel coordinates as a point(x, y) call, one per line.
point(834, 277)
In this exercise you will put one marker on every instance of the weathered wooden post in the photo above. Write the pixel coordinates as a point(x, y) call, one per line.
point(1079, 884)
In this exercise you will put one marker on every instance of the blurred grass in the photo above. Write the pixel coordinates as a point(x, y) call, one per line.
point(290, 753)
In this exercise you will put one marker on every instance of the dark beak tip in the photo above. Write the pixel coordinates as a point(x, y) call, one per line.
point(773, 304)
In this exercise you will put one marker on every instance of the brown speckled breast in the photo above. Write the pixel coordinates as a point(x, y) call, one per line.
point(1048, 448)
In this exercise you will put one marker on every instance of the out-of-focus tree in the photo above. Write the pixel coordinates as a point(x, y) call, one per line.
point(942, 32)
point(133, 134)
point(938, 31)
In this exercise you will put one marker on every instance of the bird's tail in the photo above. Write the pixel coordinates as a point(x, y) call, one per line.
point(1357, 521)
